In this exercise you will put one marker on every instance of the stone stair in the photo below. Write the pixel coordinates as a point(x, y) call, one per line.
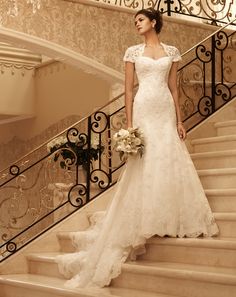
point(179, 279)
point(171, 267)
point(217, 143)
point(29, 285)
point(222, 200)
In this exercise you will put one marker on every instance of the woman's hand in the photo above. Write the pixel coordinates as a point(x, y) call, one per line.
point(181, 131)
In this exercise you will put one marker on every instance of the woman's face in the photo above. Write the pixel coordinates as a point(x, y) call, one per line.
point(143, 24)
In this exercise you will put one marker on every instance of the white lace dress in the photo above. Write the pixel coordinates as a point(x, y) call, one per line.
point(158, 194)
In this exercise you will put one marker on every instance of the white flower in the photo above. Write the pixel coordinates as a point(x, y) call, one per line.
point(137, 141)
point(94, 140)
point(128, 148)
point(123, 133)
point(128, 142)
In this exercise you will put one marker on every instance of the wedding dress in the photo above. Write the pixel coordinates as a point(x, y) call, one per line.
point(158, 194)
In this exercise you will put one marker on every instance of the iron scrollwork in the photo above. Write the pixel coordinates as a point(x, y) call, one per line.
point(214, 11)
point(207, 80)
point(57, 179)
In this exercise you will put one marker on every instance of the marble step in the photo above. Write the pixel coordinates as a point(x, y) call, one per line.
point(176, 278)
point(29, 285)
point(44, 264)
point(218, 143)
point(215, 251)
point(65, 242)
point(225, 128)
point(226, 222)
point(215, 159)
point(222, 200)
point(222, 178)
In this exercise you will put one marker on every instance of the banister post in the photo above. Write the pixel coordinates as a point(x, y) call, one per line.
point(169, 3)
point(88, 163)
point(213, 73)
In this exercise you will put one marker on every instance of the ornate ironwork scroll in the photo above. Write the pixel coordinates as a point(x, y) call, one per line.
point(207, 80)
point(57, 179)
point(215, 11)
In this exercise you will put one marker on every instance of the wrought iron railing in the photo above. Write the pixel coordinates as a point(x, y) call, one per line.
point(207, 76)
point(77, 165)
point(214, 11)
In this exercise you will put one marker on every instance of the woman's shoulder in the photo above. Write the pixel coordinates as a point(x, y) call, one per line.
point(173, 51)
point(132, 52)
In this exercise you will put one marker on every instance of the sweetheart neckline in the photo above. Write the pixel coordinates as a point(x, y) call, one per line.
point(164, 49)
point(154, 59)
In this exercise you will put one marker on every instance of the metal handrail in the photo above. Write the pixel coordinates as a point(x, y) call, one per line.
point(208, 37)
point(110, 101)
point(132, 8)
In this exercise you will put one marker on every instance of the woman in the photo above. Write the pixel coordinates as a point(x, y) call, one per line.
point(158, 194)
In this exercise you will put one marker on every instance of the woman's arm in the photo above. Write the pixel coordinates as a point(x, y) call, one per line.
point(172, 83)
point(129, 85)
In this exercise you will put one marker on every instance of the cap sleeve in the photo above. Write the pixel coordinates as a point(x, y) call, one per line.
point(176, 55)
point(129, 55)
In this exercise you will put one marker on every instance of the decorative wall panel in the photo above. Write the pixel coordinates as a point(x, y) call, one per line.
point(98, 33)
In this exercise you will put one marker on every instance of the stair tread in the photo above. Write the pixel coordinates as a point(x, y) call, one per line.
point(212, 242)
point(51, 283)
point(184, 266)
point(45, 256)
point(135, 293)
point(64, 234)
point(225, 123)
point(205, 273)
point(216, 171)
point(213, 139)
point(213, 154)
point(217, 242)
point(225, 215)
point(219, 192)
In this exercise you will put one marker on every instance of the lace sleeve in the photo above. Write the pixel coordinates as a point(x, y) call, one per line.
point(129, 55)
point(176, 55)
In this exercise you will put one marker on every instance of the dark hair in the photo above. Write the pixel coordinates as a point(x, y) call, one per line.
point(152, 14)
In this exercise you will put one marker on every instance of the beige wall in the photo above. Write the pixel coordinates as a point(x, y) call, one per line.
point(63, 94)
point(17, 92)
point(63, 90)
point(60, 91)
point(101, 34)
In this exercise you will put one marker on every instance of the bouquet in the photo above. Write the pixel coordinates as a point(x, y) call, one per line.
point(129, 142)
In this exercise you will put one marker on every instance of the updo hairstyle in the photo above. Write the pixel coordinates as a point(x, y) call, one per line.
point(153, 14)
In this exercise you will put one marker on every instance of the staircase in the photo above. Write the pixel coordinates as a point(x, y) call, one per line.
point(183, 267)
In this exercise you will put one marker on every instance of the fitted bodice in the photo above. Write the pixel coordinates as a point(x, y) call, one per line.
point(150, 70)
point(136, 51)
